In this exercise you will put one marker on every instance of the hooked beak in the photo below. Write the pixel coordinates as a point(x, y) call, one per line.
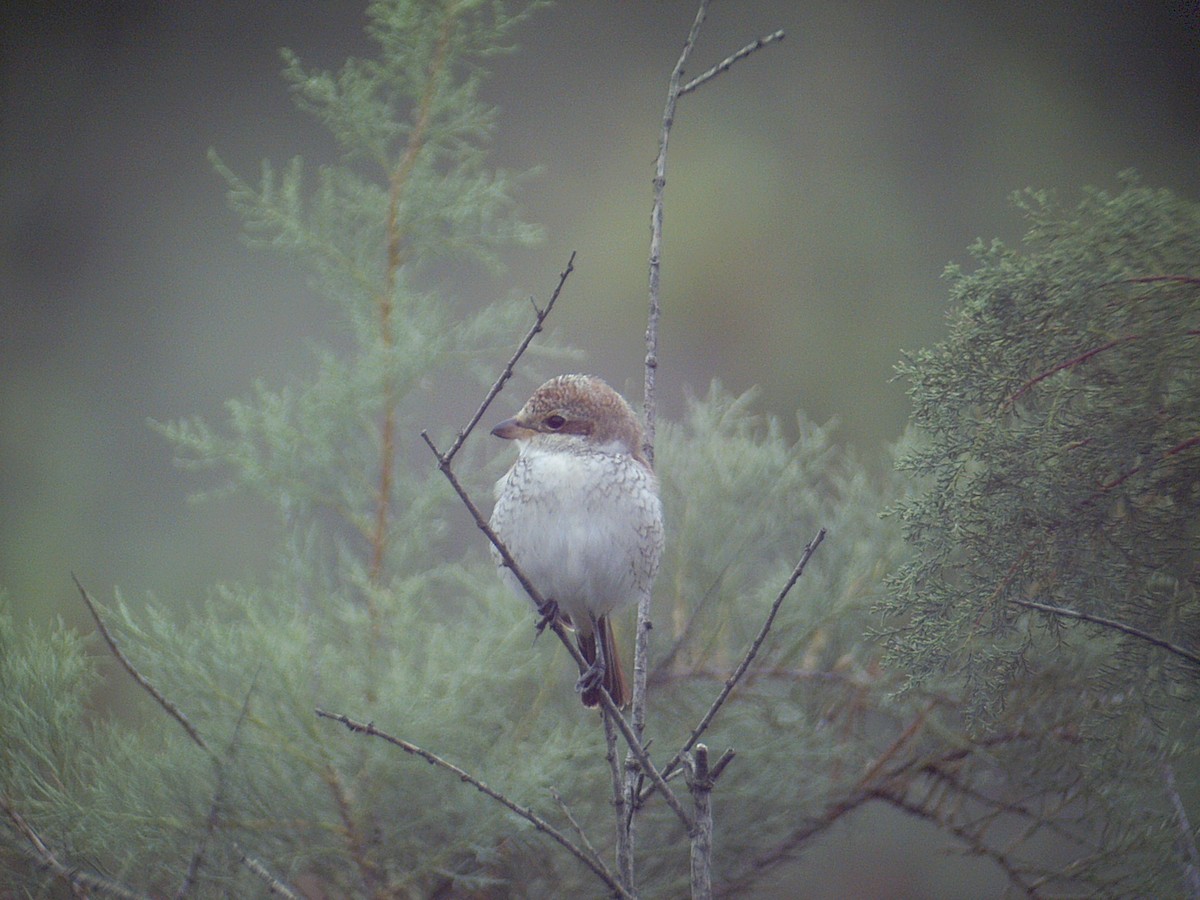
point(511, 429)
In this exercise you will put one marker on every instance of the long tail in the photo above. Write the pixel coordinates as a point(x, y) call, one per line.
point(614, 675)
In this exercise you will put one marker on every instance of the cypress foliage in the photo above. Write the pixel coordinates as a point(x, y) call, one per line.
point(1060, 443)
point(1054, 457)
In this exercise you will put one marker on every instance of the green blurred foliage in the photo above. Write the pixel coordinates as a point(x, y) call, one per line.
point(813, 196)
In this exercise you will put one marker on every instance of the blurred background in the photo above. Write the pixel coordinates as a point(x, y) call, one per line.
point(815, 194)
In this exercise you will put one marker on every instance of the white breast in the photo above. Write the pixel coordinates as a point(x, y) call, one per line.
point(585, 528)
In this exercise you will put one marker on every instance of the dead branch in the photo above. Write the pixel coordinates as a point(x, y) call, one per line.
point(81, 882)
point(1130, 630)
point(171, 709)
point(507, 372)
point(728, 61)
point(736, 676)
point(275, 886)
point(524, 812)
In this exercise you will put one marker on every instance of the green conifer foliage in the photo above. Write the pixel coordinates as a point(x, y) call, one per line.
point(1059, 441)
point(1056, 455)
point(1054, 585)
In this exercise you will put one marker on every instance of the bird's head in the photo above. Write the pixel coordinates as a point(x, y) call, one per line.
point(572, 411)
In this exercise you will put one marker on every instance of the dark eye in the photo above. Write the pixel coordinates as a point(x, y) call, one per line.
point(555, 422)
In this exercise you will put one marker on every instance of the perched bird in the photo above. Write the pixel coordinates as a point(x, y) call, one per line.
point(579, 513)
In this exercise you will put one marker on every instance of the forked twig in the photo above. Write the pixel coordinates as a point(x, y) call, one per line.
point(728, 61)
point(575, 826)
point(589, 860)
point(732, 681)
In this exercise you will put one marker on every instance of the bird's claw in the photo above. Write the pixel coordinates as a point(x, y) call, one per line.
point(590, 679)
point(549, 613)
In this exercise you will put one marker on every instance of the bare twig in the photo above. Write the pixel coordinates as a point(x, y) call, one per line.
point(1065, 613)
point(728, 61)
point(645, 766)
point(621, 802)
point(218, 799)
point(575, 826)
point(171, 709)
point(507, 373)
point(649, 407)
point(82, 883)
point(588, 859)
point(275, 886)
point(539, 601)
point(1186, 839)
point(732, 681)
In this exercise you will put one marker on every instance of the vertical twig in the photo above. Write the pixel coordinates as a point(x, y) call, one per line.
point(700, 784)
point(641, 649)
point(621, 798)
point(700, 779)
point(1186, 839)
point(649, 406)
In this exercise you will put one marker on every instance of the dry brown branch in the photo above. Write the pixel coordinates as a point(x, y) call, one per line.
point(589, 860)
point(642, 757)
point(398, 179)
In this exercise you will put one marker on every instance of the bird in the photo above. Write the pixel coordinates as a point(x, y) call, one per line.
point(579, 513)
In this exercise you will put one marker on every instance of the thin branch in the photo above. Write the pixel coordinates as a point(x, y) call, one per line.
point(1065, 613)
point(213, 819)
point(81, 882)
point(622, 804)
point(275, 886)
point(649, 406)
point(507, 373)
point(575, 826)
point(643, 760)
point(726, 63)
point(481, 523)
point(974, 842)
point(171, 709)
point(732, 681)
point(1186, 839)
point(524, 812)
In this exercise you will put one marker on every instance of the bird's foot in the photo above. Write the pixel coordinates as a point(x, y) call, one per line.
point(591, 679)
point(548, 614)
